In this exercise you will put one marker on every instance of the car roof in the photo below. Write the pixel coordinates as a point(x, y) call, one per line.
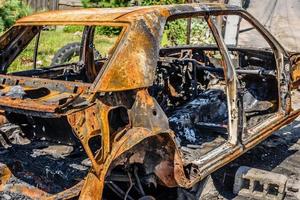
point(125, 14)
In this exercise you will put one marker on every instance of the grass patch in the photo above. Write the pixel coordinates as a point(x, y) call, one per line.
point(50, 43)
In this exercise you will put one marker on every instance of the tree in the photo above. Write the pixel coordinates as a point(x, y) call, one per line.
point(10, 11)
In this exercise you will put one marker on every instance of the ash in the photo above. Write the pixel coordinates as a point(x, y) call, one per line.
point(48, 166)
point(193, 119)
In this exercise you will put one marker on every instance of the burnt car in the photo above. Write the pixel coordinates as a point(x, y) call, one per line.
point(181, 92)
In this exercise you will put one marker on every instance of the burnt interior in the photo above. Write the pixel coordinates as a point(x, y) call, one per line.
point(191, 89)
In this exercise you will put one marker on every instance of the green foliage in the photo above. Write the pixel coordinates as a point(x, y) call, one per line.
point(200, 32)
point(160, 2)
point(10, 11)
point(1, 25)
point(105, 3)
point(124, 3)
point(108, 30)
point(175, 33)
point(73, 29)
point(100, 30)
point(85, 3)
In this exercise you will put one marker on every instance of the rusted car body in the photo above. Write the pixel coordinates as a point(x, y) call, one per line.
point(120, 107)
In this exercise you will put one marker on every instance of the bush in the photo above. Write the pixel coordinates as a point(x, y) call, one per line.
point(124, 3)
point(108, 30)
point(175, 33)
point(73, 29)
point(1, 25)
point(201, 33)
point(105, 3)
point(10, 11)
point(100, 30)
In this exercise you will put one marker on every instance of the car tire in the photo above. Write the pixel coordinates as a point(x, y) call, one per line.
point(69, 51)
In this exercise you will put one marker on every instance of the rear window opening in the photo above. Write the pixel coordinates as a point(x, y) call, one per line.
point(69, 53)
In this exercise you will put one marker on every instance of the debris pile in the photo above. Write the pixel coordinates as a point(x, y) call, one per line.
point(51, 167)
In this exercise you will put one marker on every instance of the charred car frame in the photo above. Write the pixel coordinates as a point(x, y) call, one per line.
point(155, 118)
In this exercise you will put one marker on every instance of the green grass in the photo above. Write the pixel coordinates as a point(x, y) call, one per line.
point(50, 43)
